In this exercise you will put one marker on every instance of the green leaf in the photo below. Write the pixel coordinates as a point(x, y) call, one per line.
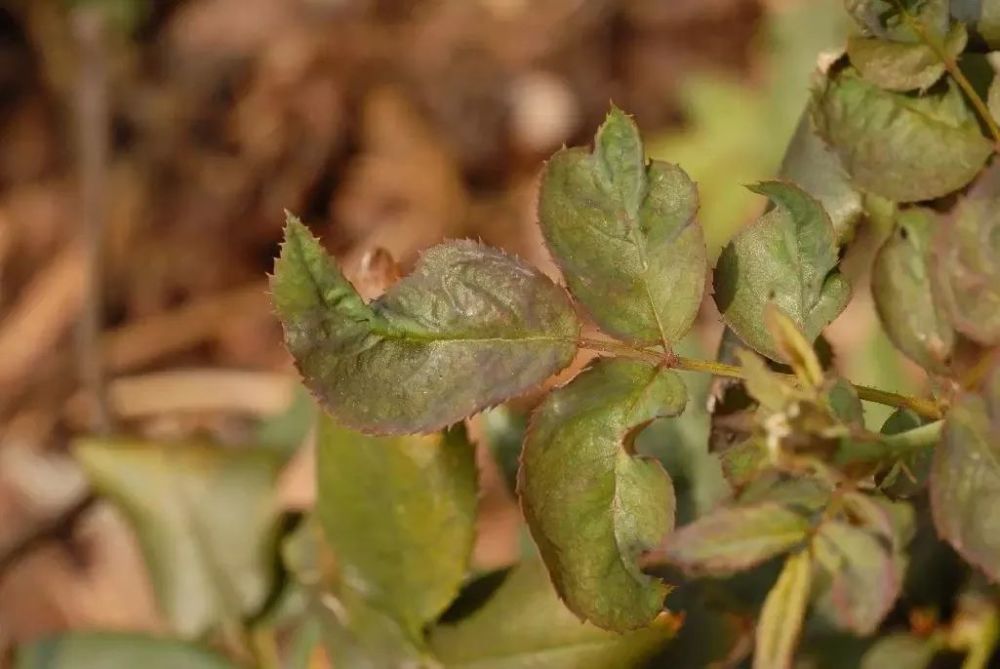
point(399, 513)
point(982, 15)
point(884, 138)
point(864, 574)
point(815, 168)
point(965, 478)
point(902, 66)
point(900, 651)
point(895, 19)
point(784, 610)
point(469, 328)
point(901, 285)
point(735, 539)
point(593, 507)
point(358, 635)
point(525, 626)
point(109, 650)
point(205, 518)
point(788, 257)
point(966, 258)
point(624, 233)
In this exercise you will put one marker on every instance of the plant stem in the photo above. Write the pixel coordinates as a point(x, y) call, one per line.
point(917, 438)
point(922, 406)
point(624, 350)
point(951, 65)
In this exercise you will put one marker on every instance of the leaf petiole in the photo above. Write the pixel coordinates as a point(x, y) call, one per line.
point(922, 406)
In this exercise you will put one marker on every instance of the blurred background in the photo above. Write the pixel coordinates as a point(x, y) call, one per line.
point(148, 150)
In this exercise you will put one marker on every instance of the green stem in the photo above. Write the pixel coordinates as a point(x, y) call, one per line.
point(922, 437)
point(921, 406)
point(951, 65)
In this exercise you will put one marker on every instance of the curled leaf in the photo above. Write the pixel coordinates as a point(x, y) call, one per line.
point(788, 257)
point(469, 328)
point(884, 138)
point(593, 507)
point(625, 235)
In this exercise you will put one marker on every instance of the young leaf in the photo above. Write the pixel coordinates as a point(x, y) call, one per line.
point(205, 518)
point(735, 539)
point(901, 285)
point(593, 507)
point(116, 650)
point(903, 66)
point(469, 328)
point(524, 626)
point(788, 257)
point(625, 235)
point(794, 348)
point(865, 575)
point(966, 254)
point(399, 513)
point(965, 478)
point(784, 610)
point(884, 138)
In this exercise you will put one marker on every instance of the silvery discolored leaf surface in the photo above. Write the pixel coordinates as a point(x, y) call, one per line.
point(469, 328)
point(625, 235)
point(783, 613)
point(399, 514)
point(524, 625)
point(733, 539)
point(108, 650)
point(593, 507)
point(966, 257)
point(965, 478)
point(787, 257)
point(206, 520)
point(909, 310)
point(982, 15)
point(884, 138)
